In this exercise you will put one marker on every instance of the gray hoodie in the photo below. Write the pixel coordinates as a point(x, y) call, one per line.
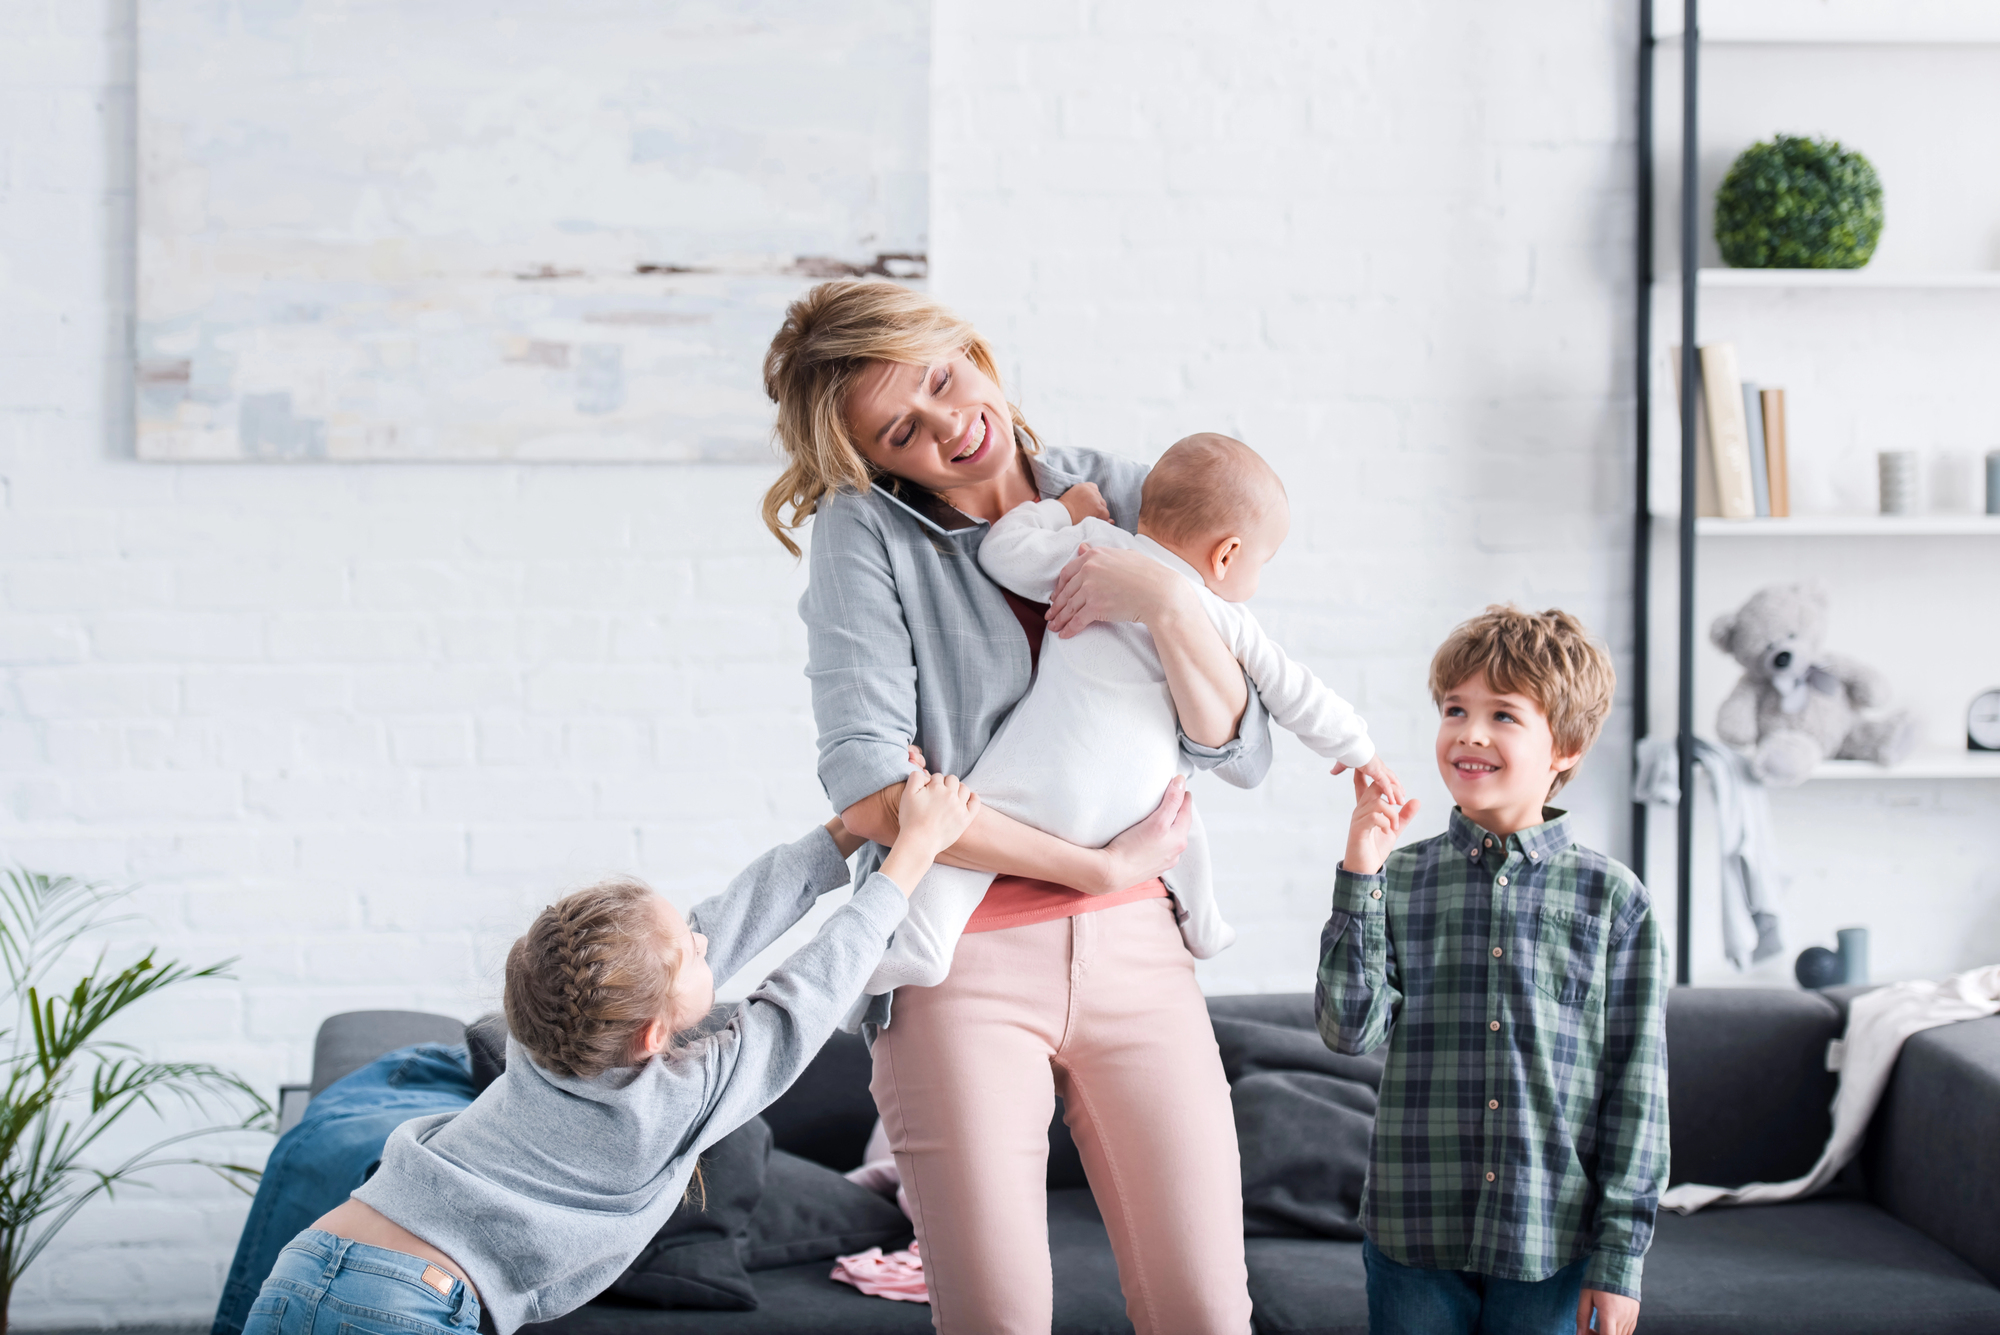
point(546, 1187)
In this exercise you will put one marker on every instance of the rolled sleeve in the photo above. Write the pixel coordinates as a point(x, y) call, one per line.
point(1244, 760)
point(859, 659)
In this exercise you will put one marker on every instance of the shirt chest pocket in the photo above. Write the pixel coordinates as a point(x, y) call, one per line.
point(1568, 951)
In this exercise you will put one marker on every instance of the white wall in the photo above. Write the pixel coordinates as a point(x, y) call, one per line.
point(354, 723)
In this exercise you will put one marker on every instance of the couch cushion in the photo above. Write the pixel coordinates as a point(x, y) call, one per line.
point(1933, 1153)
point(1304, 1116)
point(1816, 1267)
point(828, 1114)
point(1302, 1286)
point(1748, 1092)
point(696, 1259)
point(804, 1300)
point(811, 1213)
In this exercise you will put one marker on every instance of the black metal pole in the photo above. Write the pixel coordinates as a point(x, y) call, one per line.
point(1642, 385)
point(1690, 405)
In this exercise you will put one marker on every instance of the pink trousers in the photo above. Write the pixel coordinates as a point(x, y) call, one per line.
point(1102, 1009)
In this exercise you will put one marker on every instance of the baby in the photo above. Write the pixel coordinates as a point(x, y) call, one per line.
point(1091, 747)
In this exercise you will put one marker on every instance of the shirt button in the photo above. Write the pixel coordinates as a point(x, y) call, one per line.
point(1489, 843)
point(1492, 1103)
point(1494, 1025)
point(1503, 880)
point(1496, 952)
point(1374, 894)
point(1489, 1177)
point(1534, 857)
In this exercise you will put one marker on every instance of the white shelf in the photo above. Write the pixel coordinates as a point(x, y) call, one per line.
point(1923, 765)
point(1962, 280)
point(1851, 526)
point(1975, 36)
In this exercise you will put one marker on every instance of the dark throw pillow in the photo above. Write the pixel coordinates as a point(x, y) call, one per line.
point(811, 1213)
point(486, 1045)
point(1304, 1142)
point(696, 1259)
point(1303, 1119)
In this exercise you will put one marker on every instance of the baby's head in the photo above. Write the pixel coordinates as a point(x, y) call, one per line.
point(604, 977)
point(1217, 505)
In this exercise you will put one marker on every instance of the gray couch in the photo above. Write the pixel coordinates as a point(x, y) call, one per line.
point(1907, 1240)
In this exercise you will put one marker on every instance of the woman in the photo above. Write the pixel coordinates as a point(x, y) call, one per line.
point(1071, 977)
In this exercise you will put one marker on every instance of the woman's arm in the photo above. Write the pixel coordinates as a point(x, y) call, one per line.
point(998, 843)
point(1104, 584)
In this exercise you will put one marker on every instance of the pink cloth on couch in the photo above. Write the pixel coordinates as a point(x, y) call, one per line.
point(897, 1275)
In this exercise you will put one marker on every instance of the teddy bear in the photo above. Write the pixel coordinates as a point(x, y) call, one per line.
point(1797, 704)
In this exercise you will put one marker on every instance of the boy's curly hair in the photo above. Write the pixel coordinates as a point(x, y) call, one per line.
point(1548, 657)
point(588, 976)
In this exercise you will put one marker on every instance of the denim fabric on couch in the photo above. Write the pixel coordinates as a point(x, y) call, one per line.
point(1908, 1240)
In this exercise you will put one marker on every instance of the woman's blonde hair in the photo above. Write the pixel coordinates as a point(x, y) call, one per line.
point(828, 336)
point(1548, 657)
point(588, 977)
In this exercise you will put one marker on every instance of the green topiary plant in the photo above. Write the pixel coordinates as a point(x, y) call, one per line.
point(63, 1084)
point(1797, 203)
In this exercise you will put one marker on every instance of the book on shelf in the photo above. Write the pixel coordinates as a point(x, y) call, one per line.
point(1706, 506)
point(1760, 476)
point(1728, 431)
point(1772, 403)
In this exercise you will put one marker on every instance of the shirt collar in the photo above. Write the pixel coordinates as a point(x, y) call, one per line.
point(1169, 560)
point(1538, 843)
point(939, 516)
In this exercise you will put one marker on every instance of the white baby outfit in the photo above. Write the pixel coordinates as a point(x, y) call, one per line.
point(1092, 746)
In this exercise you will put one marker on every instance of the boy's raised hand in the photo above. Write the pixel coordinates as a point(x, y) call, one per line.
point(1378, 820)
point(1378, 770)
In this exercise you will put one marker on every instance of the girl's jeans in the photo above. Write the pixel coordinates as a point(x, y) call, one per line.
point(1406, 1300)
point(323, 1285)
point(333, 1151)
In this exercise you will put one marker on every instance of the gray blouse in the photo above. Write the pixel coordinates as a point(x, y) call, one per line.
point(908, 640)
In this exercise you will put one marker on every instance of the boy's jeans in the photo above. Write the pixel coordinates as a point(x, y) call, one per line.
point(323, 1285)
point(1406, 1300)
point(331, 1152)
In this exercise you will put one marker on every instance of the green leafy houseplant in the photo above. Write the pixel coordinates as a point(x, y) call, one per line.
point(66, 1085)
point(1797, 203)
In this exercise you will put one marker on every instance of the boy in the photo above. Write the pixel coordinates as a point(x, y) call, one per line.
point(1089, 750)
point(1519, 979)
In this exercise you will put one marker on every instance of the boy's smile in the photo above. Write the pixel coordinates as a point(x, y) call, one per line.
point(1497, 755)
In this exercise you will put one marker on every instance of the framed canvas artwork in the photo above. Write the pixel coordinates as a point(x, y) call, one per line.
point(506, 229)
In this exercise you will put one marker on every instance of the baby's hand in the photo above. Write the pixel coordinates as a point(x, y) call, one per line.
point(1378, 770)
point(1085, 501)
point(935, 810)
point(1377, 821)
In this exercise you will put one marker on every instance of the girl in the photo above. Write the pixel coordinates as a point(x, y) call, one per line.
point(531, 1201)
point(1071, 977)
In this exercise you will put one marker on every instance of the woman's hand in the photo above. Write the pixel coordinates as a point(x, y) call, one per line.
point(1109, 584)
point(1151, 847)
point(1378, 820)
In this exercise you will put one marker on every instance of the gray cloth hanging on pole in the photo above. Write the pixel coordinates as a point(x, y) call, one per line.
point(1743, 830)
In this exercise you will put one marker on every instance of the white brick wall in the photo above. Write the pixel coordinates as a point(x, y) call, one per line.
point(354, 723)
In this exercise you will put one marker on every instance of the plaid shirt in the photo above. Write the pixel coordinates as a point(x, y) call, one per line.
point(1521, 984)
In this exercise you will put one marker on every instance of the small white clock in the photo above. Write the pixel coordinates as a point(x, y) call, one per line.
point(1982, 722)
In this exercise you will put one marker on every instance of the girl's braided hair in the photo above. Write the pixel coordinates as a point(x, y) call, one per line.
point(590, 974)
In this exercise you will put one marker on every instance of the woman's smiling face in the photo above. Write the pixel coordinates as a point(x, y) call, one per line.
point(942, 426)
